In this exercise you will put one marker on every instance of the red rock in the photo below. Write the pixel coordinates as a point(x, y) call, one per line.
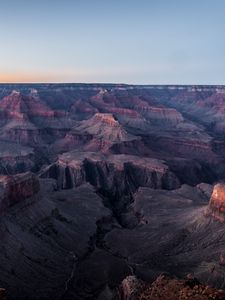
point(125, 112)
point(28, 120)
point(162, 114)
point(98, 133)
point(82, 106)
point(18, 105)
point(104, 126)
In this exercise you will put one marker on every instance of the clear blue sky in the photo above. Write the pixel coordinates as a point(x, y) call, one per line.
point(129, 41)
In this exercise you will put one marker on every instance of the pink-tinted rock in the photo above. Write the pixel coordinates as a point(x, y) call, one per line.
point(83, 107)
point(217, 202)
point(16, 105)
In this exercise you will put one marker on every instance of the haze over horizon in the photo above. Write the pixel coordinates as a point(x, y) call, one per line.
point(142, 42)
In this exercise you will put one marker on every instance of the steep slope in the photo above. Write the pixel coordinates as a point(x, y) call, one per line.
point(44, 237)
point(98, 133)
point(18, 105)
point(29, 121)
point(82, 109)
point(104, 126)
point(15, 158)
point(116, 174)
point(16, 188)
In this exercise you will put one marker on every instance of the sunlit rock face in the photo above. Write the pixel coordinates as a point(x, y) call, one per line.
point(217, 202)
point(105, 126)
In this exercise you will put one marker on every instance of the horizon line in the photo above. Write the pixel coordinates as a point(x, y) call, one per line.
point(112, 83)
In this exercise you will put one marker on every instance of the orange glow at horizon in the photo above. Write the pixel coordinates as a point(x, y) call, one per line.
point(30, 77)
point(68, 75)
point(80, 75)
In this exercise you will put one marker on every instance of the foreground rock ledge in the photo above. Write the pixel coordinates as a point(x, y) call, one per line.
point(167, 288)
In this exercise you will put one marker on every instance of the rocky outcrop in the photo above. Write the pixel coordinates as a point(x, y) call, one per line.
point(27, 120)
point(126, 112)
point(161, 115)
point(202, 104)
point(117, 174)
point(15, 158)
point(167, 288)
point(98, 133)
point(206, 189)
point(104, 126)
point(217, 202)
point(14, 189)
point(18, 106)
point(131, 288)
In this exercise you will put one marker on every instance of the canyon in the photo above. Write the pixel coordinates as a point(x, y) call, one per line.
point(105, 183)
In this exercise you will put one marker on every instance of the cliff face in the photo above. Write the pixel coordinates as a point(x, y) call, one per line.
point(27, 119)
point(161, 115)
point(97, 133)
point(18, 105)
point(17, 188)
point(82, 109)
point(117, 174)
point(207, 105)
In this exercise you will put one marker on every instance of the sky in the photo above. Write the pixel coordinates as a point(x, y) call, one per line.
point(118, 41)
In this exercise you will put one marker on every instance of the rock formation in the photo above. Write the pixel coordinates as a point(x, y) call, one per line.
point(116, 174)
point(160, 115)
point(14, 189)
point(217, 202)
point(104, 126)
point(27, 120)
point(167, 288)
point(131, 287)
